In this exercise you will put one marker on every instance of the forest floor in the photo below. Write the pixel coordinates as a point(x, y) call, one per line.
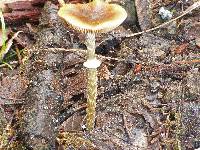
point(148, 83)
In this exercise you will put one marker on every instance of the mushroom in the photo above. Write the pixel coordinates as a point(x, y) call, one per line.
point(90, 18)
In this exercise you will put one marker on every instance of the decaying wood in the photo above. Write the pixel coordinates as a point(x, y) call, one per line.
point(44, 97)
point(17, 16)
point(143, 8)
point(17, 11)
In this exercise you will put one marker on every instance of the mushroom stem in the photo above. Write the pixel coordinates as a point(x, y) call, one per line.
point(91, 80)
point(61, 2)
point(90, 43)
point(91, 97)
point(105, 17)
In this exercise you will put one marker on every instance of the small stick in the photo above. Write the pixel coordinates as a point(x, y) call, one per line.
point(188, 61)
point(10, 101)
point(19, 56)
point(10, 63)
point(126, 127)
point(83, 52)
point(12, 1)
point(192, 7)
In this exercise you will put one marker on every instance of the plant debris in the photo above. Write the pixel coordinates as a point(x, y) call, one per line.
point(148, 82)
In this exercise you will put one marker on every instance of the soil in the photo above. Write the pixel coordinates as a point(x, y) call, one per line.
point(148, 85)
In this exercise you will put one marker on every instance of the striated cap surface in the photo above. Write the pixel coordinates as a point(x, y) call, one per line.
point(96, 16)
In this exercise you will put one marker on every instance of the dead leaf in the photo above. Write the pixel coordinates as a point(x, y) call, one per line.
point(104, 73)
point(8, 45)
point(137, 69)
point(181, 48)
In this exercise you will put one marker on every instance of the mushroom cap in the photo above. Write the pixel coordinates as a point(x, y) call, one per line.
point(96, 16)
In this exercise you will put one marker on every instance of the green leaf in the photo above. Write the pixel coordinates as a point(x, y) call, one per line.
point(3, 28)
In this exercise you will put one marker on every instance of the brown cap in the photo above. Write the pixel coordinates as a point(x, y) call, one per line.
point(96, 16)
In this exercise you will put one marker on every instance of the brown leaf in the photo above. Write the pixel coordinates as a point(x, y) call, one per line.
point(137, 69)
point(181, 48)
point(104, 73)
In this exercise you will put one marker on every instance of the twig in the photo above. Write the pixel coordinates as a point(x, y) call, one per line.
point(12, 1)
point(83, 52)
point(194, 6)
point(19, 56)
point(188, 61)
point(10, 63)
point(177, 66)
point(57, 49)
point(10, 101)
point(126, 128)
